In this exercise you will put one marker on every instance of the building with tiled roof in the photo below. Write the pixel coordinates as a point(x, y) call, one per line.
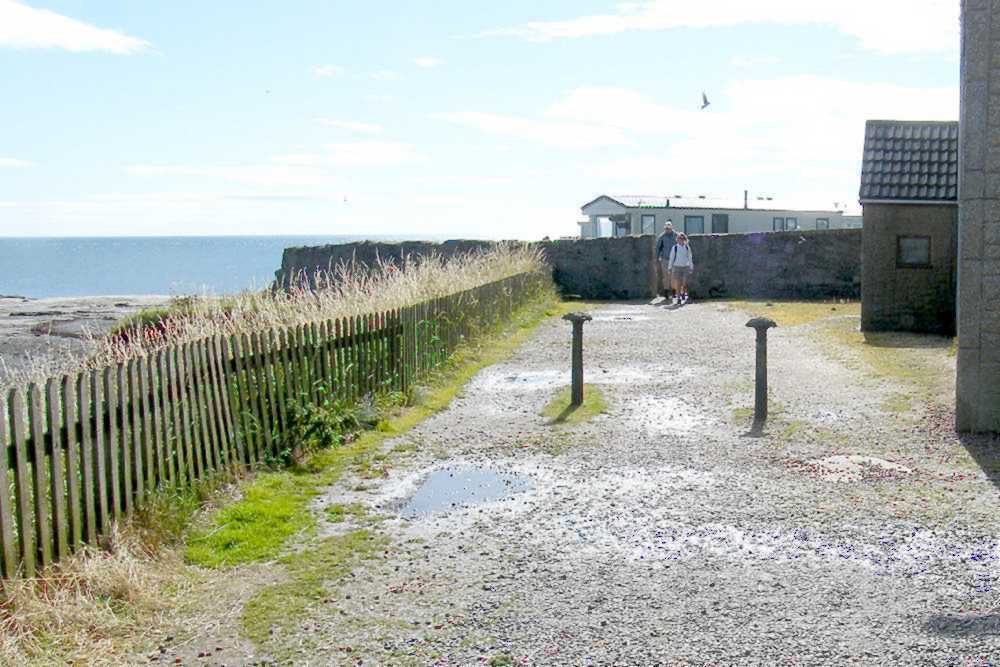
point(909, 198)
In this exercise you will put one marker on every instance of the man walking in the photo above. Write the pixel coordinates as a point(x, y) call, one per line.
point(681, 265)
point(664, 244)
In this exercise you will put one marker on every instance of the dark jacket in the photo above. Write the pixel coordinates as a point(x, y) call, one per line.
point(665, 243)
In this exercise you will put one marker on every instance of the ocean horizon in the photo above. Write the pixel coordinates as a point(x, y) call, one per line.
point(47, 267)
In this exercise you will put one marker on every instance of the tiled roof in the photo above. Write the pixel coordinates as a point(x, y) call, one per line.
point(910, 161)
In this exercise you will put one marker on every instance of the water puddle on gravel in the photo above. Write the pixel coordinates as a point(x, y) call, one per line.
point(541, 380)
point(452, 488)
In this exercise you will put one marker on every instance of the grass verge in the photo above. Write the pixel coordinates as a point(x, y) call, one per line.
point(798, 313)
point(274, 506)
point(560, 411)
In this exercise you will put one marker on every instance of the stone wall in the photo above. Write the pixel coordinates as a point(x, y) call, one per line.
point(301, 263)
point(778, 265)
point(920, 299)
point(771, 265)
point(978, 399)
point(609, 268)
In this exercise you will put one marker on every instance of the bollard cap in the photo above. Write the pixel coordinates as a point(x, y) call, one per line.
point(577, 317)
point(761, 323)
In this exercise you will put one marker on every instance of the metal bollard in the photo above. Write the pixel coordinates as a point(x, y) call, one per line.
point(577, 319)
point(761, 324)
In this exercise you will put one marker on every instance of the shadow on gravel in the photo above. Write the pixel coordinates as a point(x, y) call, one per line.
point(971, 625)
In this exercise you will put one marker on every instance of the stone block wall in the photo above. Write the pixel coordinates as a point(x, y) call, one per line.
point(772, 265)
point(303, 262)
point(978, 385)
point(609, 268)
point(778, 265)
point(920, 299)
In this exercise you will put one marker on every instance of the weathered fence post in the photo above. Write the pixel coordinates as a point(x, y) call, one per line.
point(761, 324)
point(577, 319)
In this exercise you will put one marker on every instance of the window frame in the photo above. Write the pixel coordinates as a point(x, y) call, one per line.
point(721, 217)
point(900, 264)
point(652, 224)
point(777, 224)
point(824, 220)
point(691, 218)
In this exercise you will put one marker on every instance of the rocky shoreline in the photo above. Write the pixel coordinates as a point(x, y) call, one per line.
point(38, 334)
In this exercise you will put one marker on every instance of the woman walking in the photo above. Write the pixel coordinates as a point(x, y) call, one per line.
point(680, 266)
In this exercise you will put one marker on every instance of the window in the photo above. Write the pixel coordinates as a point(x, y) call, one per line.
point(913, 252)
point(822, 223)
point(622, 228)
point(648, 224)
point(779, 225)
point(720, 223)
point(694, 224)
point(791, 224)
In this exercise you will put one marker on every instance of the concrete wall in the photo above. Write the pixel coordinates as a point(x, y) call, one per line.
point(978, 397)
point(907, 298)
point(778, 265)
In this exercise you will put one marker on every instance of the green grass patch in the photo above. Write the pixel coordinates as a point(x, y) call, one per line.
point(274, 506)
point(312, 576)
point(559, 410)
point(338, 513)
point(798, 313)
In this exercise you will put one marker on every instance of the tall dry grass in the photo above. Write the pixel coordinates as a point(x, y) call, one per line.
point(341, 291)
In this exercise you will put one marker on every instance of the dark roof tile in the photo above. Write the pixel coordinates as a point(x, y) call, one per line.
point(910, 160)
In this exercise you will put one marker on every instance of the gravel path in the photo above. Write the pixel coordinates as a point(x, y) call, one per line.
point(662, 533)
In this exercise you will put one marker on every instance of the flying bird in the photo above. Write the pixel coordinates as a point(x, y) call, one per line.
point(704, 101)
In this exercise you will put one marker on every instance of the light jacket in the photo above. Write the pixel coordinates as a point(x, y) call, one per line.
point(681, 256)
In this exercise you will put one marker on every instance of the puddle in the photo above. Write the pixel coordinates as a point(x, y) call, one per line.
point(620, 318)
point(541, 380)
point(667, 415)
point(452, 488)
point(851, 468)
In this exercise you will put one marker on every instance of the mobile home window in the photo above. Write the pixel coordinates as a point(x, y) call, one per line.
point(694, 224)
point(822, 223)
point(913, 252)
point(779, 225)
point(648, 224)
point(720, 223)
point(791, 224)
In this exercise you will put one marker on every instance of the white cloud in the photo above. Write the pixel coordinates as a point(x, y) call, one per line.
point(24, 27)
point(327, 71)
point(352, 126)
point(353, 154)
point(886, 26)
point(558, 133)
point(811, 142)
point(13, 163)
point(265, 176)
point(383, 75)
point(745, 62)
point(428, 62)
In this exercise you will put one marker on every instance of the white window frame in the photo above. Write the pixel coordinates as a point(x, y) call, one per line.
point(652, 224)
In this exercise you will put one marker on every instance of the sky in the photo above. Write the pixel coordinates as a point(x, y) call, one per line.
point(446, 118)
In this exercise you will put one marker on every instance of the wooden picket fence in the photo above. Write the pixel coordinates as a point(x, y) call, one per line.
point(86, 449)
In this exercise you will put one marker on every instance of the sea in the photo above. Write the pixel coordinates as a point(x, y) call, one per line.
point(127, 266)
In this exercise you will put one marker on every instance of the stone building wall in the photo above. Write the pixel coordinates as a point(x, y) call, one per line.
point(920, 299)
point(978, 386)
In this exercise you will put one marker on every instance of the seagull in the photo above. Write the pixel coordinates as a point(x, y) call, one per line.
point(704, 101)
